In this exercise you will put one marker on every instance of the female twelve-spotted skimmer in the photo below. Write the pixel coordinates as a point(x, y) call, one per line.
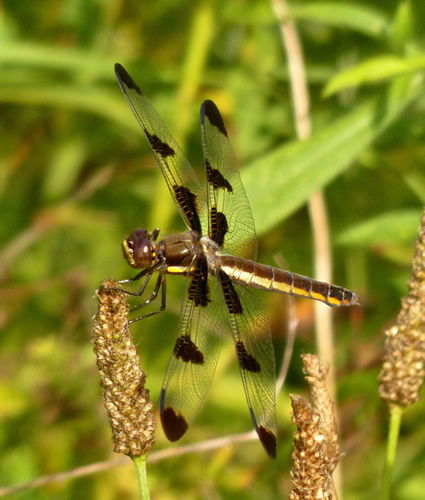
point(217, 256)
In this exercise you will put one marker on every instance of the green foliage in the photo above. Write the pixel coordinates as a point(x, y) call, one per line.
point(76, 176)
point(375, 70)
point(356, 17)
point(390, 228)
point(330, 150)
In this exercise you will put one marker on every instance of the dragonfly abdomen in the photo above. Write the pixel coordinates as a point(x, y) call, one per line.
point(255, 275)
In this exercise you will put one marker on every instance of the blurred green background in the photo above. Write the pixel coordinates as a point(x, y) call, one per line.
point(77, 176)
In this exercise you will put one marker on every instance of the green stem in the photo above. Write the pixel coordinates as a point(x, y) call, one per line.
point(142, 478)
point(393, 433)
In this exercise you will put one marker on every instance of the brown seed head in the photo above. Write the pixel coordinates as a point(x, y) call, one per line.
point(127, 403)
point(310, 472)
point(316, 374)
point(402, 373)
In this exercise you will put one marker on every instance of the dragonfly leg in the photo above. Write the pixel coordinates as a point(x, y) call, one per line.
point(148, 270)
point(161, 283)
point(137, 277)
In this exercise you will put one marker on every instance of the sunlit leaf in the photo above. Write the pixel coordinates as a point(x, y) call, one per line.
point(34, 55)
point(91, 99)
point(64, 167)
point(279, 183)
point(374, 70)
point(366, 19)
point(390, 228)
point(402, 28)
point(416, 182)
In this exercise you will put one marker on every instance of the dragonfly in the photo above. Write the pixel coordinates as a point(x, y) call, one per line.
point(217, 257)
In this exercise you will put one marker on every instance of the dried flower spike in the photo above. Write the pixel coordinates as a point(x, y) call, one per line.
point(310, 471)
point(316, 374)
point(127, 403)
point(402, 373)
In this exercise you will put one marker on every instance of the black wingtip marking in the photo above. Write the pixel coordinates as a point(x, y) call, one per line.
point(187, 351)
point(124, 78)
point(173, 423)
point(268, 440)
point(210, 110)
point(246, 361)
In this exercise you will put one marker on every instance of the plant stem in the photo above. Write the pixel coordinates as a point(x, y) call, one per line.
point(142, 478)
point(393, 433)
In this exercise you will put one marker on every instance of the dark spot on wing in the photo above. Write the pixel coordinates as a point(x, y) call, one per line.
point(219, 226)
point(160, 147)
point(173, 423)
point(198, 288)
point(210, 110)
point(126, 78)
point(215, 177)
point(231, 297)
point(187, 201)
point(246, 361)
point(187, 351)
point(268, 440)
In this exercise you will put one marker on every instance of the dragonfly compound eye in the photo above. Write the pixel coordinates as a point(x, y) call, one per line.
point(137, 249)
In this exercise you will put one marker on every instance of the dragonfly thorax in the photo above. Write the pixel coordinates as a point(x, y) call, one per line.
point(212, 252)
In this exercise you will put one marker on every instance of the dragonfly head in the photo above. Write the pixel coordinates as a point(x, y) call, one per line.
point(138, 249)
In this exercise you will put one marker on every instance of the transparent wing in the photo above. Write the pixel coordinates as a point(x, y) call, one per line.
point(230, 223)
point(179, 175)
point(192, 364)
point(254, 349)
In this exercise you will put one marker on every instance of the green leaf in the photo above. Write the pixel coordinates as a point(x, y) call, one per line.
point(279, 183)
point(33, 55)
point(402, 29)
point(416, 182)
point(64, 167)
point(98, 100)
point(390, 228)
point(367, 20)
point(374, 70)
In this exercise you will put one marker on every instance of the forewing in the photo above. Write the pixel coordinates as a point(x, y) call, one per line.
point(230, 223)
point(254, 349)
point(193, 361)
point(179, 175)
